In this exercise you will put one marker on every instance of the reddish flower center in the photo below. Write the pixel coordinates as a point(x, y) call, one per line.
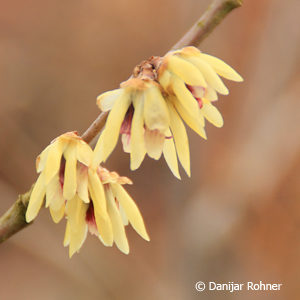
point(62, 172)
point(90, 216)
point(126, 124)
point(90, 219)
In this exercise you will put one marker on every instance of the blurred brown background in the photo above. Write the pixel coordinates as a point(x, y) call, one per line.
point(237, 218)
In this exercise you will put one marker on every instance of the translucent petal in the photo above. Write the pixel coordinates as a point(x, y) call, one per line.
point(76, 212)
point(138, 148)
point(110, 135)
point(186, 71)
point(102, 219)
point(42, 159)
point(154, 142)
point(117, 223)
point(126, 142)
point(123, 215)
point(210, 75)
point(181, 139)
point(75, 208)
point(170, 155)
point(197, 91)
point(67, 235)
point(36, 199)
point(222, 68)
point(57, 215)
point(212, 114)
point(156, 113)
point(107, 100)
point(53, 160)
point(164, 77)
point(70, 182)
point(131, 210)
point(210, 94)
point(82, 183)
point(185, 97)
point(84, 153)
point(77, 238)
point(197, 124)
point(54, 195)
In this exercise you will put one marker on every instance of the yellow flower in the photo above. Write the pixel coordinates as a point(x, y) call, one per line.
point(148, 109)
point(106, 215)
point(90, 198)
point(140, 113)
point(188, 75)
point(61, 166)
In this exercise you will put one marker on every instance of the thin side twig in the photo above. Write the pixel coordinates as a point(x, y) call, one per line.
point(14, 219)
point(95, 127)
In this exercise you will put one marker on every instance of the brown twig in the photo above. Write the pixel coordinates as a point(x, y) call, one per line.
point(14, 219)
point(95, 128)
point(215, 13)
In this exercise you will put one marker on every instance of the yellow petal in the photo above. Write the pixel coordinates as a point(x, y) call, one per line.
point(210, 75)
point(154, 142)
point(164, 78)
point(181, 139)
point(186, 71)
point(210, 94)
point(70, 183)
point(117, 223)
point(123, 215)
point(84, 153)
point(170, 155)
point(126, 142)
point(198, 91)
point(138, 149)
point(102, 219)
point(131, 210)
point(53, 160)
point(76, 212)
point(77, 238)
point(212, 114)
point(42, 159)
point(185, 97)
point(222, 68)
point(54, 196)
point(107, 100)
point(155, 110)
point(197, 124)
point(82, 183)
point(110, 135)
point(67, 235)
point(36, 199)
point(57, 215)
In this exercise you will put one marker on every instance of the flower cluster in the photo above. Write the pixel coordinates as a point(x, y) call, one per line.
point(149, 110)
point(90, 198)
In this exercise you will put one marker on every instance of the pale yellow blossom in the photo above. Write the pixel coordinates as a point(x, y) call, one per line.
point(141, 114)
point(89, 198)
point(188, 75)
point(149, 110)
point(106, 215)
point(60, 165)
